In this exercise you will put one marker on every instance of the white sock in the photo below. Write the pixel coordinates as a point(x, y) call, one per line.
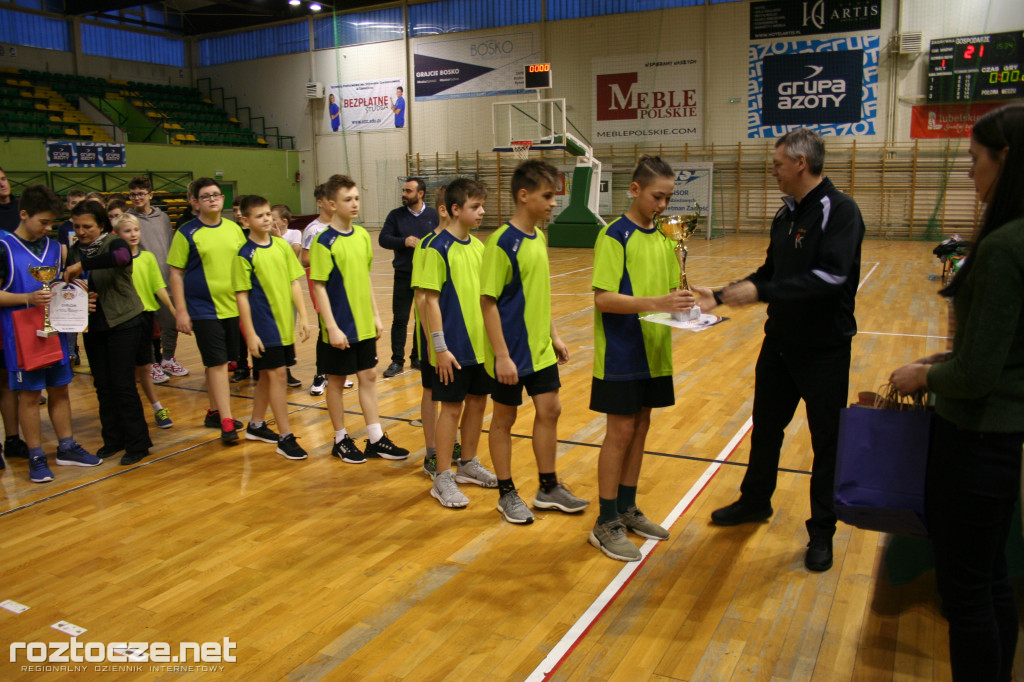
point(157, 406)
point(375, 432)
point(256, 425)
point(340, 435)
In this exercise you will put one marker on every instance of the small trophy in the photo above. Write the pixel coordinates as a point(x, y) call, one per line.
point(679, 229)
point(45, 274)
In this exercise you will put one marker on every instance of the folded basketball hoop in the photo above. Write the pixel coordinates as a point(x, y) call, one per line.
point(521, 148)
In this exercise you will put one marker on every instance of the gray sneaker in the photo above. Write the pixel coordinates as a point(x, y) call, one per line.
point(475, 472)
point(561, 499)
point(633, 519)
point(430, 465)
point(446, 491)
point(514, 509)
point(611, 539)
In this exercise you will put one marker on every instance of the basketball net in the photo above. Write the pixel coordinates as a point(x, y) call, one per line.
point(521, 148)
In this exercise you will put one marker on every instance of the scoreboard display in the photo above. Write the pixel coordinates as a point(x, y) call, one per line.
point(976, 68)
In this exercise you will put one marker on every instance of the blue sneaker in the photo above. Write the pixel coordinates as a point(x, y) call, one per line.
point(38, 471)
point(163, 419)
point(77, 456)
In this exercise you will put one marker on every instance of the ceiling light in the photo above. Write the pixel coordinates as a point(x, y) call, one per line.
point(314, 7)
point(294, 3)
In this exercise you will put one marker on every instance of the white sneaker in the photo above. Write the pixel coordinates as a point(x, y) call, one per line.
point(349, 383)
point(475, 472)
point(446, 491)
point(173, 368)
point(319, 385)
point(156, 373)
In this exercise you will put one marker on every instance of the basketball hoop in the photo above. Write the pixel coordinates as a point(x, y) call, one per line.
point(521, 148)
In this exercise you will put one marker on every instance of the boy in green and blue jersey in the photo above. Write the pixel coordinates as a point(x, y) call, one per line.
point(450, 281)
point(266, 281)
point(525, 349)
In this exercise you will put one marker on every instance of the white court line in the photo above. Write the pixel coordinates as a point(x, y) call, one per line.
point(586, 621)
point(915, 336)
point(575, 634)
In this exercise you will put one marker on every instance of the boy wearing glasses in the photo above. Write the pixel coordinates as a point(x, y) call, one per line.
point(155, 234)
point(201, 255)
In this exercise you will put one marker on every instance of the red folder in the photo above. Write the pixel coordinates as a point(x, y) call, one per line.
point(34, 352)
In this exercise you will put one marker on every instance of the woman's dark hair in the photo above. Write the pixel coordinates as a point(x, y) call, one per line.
point(1000, 129)
point(96, 210)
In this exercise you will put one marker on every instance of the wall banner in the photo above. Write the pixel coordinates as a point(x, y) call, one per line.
point(692, 189)
point(780, 18)
point(367, 105)
point(473, 67)
point(936, 121)
point(813, 83)
point(648, 98)
point(85, 155)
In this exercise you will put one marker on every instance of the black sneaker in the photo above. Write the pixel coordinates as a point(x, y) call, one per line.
point(212, 420)
point(109, 450)
point(240, 374)
point(394, 369)
point(292, 381)
point(15, 447)
point(130, 458)
point(385, 449)
point(229, 437)
point(819, 554)
point(415, 364)
point(289, 448)
point(319, 385)
point(740, 512)
point(261, 433)
point(348, 451)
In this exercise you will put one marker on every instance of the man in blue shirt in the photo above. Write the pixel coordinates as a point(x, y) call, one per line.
point(399, 109)
point(402, 231)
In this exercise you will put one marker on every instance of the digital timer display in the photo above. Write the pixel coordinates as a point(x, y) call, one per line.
point(537, 76)
point(976, 68)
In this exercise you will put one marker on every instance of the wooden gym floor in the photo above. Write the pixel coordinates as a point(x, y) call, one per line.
point(321, 569)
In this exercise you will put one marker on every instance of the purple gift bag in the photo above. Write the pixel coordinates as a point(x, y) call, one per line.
point(880, 469)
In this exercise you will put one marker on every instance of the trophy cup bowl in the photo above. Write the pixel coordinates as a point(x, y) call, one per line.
point(44, 274)
point(679, 229)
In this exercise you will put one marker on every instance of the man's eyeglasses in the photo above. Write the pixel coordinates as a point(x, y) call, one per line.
point(138, 195)
point(210, 197)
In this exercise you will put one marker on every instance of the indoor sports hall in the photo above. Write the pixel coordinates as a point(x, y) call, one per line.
point(319, 569)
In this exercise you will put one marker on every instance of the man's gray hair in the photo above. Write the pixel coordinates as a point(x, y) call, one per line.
point(806, 143)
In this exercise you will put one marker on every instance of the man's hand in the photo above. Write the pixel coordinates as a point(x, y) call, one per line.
point(910, 378)
point(337, 338)
point(183, 322)
point(446, 364)
point(740, 293)
point(93, 297)
point(705, 298)
point(412, 241)
point(505, 371)
point(72, 272)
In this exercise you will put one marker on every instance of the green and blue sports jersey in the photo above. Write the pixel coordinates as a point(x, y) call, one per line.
point(637, 262)
point(423, 348)
point(517, 276)
point(147, 280)
point(207, 254)
point(343, 261)
point(267, 273)
point(452, 267)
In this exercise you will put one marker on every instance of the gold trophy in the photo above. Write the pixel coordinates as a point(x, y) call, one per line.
point(45, 274)
point(679, 229)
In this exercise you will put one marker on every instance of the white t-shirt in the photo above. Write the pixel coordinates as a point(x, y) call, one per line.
point(311, 232)
point(292, 237)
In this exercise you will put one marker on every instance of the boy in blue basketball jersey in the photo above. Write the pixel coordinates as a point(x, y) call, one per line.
point(525, 349)
point(26, 247)
point(266, 280)
point(635, 272)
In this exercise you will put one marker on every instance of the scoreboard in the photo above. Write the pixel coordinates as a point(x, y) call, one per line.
point(976, 68)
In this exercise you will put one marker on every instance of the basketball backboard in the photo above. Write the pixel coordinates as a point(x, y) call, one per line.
point(541, 121)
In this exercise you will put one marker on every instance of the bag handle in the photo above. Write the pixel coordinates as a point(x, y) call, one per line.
point(888, 398)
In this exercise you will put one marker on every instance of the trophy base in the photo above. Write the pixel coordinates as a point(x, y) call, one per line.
point(688, 316)
point(46, 333)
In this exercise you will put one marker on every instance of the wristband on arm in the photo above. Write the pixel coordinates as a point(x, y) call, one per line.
point(438, 339)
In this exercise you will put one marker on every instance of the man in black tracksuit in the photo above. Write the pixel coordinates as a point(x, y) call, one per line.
point(402, 230)
point(809, 281)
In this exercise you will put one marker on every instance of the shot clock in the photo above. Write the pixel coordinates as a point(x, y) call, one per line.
point(537, 76)
point(976, 68)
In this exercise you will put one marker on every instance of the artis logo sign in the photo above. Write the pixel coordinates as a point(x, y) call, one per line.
point(778, 18)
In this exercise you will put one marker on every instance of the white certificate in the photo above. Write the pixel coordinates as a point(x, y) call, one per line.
point(69, 308)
